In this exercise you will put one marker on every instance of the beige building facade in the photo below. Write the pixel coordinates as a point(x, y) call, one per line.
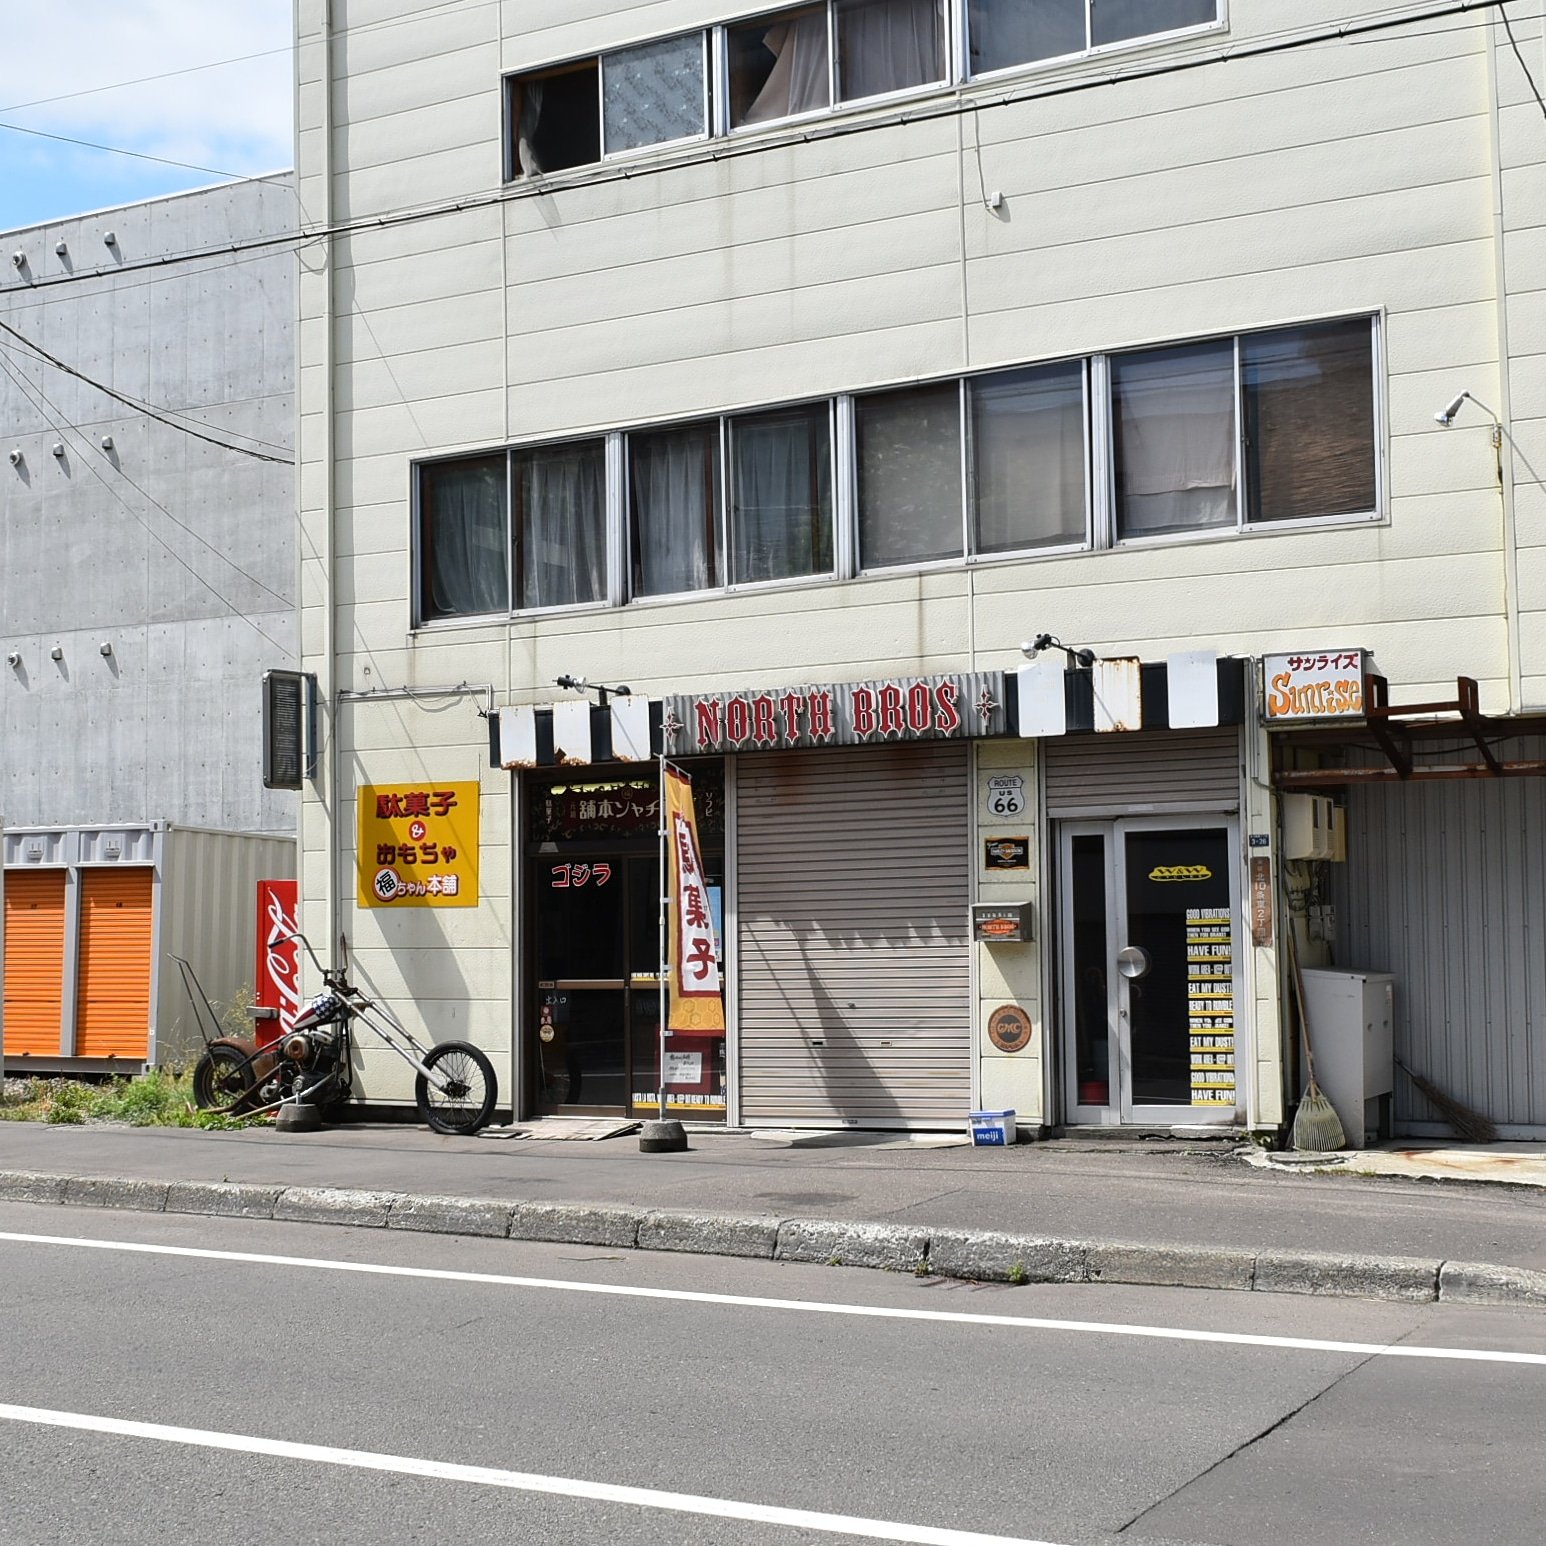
point(784, 372)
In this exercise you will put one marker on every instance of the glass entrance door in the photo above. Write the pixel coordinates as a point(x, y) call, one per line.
point(1149, 989)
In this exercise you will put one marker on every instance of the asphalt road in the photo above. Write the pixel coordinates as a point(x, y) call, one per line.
point(347, 1406)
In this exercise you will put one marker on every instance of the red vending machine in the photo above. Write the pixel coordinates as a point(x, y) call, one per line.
point(278, 975)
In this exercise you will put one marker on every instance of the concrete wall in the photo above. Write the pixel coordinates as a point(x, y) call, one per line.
point(178, 554)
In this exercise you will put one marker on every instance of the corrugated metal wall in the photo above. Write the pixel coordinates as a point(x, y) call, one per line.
point(34, 961)
point(209, 902)
point(853, 892)
point(1444, 888)
point(1119, 774)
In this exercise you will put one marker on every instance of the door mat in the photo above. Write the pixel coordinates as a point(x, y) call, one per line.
point(587, 1129)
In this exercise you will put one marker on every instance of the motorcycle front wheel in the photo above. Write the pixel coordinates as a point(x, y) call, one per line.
point(467, 1102)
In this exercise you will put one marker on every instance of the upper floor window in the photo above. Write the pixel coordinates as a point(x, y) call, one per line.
point(802, 59)
point(1239, 432)
point(1269, 426)
point(463, 567)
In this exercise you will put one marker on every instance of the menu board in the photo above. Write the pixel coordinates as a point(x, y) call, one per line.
point(1210, 991)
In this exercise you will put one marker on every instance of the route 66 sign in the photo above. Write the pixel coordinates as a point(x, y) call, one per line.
point(1006, 795)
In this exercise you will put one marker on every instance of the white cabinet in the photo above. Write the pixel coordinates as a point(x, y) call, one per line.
point(1352, 1033)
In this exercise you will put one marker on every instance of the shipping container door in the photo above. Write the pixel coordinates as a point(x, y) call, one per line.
point(853, 877)
point(113, 1007)
point(34, 961)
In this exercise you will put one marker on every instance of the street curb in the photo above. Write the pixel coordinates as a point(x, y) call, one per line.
point(983, 1256)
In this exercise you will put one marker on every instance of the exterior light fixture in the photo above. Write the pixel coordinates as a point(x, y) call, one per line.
point(16, 457)
point(18, 259)
point(603, 694)
point(1046, 641)
point(13, 659)
point(57, 652)
point(110, 237)
point(104, 649)
point(107, 442)
point(61, 249)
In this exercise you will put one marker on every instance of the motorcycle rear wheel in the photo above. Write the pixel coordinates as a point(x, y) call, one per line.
point(222, 1080)
point(468, 1103)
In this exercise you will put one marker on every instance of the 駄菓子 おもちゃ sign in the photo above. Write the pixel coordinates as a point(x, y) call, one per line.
point(418, 845)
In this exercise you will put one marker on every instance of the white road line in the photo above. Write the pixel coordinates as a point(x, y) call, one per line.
point(805, 1306)
point(520, 1481)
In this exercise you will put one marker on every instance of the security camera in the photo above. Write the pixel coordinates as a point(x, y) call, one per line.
point(1446, 415)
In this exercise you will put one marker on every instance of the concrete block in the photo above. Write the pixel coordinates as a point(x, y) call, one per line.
point(711, 1234)
point(116, 1192)
point(575, 1223)
point(1471, 1282)
point(31, 1186)
point(1356, 1277)
point(987, 1256)
point(451, 1216)
point(332, 1205)
point(890, 1247)
point(1170, 1266)
point(222, 1199)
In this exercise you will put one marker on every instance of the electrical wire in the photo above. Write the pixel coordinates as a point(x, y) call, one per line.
point(57, 421)
point(1513, 42)
point(718, 151)
point(150, 412)
point(139, 155)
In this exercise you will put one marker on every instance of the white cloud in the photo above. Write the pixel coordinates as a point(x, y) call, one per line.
point(234, 118)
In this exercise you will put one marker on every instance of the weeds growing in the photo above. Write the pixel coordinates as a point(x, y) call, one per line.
point(157, 1098)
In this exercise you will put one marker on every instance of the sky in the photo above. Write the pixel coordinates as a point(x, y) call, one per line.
point(79, 54)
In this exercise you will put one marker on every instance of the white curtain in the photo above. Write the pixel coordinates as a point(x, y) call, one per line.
point(526, 155)
point(1028, 458)
point(1174, 413)
point(1011, 32)
point(462, 516)
point(887, 45)
point(673, 479)
point(798, 82)
point(782, 486)
point(561, 535)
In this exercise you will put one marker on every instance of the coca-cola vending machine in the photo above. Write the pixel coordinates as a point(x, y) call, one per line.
point(279, 966)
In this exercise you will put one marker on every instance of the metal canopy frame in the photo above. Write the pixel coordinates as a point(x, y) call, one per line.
point(1398, 728)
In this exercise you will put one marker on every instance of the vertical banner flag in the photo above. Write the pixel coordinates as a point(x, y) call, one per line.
point(695, 988)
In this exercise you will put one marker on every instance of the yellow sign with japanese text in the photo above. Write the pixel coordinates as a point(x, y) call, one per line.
point(696, 1004)
point(418, 845)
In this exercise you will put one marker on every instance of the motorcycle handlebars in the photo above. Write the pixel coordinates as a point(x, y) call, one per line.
point(330, 977)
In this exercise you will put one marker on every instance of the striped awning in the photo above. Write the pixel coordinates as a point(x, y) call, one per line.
point(1195, 690)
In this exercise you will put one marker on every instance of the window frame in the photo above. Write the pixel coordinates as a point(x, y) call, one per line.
point(955, 55)
point(706, 57)
point(1244, 525)
point(1100, 513)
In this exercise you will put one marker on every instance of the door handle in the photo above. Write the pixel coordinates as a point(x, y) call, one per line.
point(1133, 961)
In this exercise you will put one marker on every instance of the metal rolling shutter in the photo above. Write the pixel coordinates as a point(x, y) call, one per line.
point(852, 888)
point(112, 1012)
point(1149, 770)
point(34, 961)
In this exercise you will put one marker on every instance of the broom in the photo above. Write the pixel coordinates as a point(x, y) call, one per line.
point(1469, 1126)
point(1317, 1126)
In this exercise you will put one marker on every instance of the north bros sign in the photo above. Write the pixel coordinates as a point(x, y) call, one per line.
point(920, 708)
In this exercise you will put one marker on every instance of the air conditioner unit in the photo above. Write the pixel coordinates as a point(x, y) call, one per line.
point(1313, 828)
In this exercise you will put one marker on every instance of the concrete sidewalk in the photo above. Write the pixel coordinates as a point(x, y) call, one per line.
point(1161, 1211)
